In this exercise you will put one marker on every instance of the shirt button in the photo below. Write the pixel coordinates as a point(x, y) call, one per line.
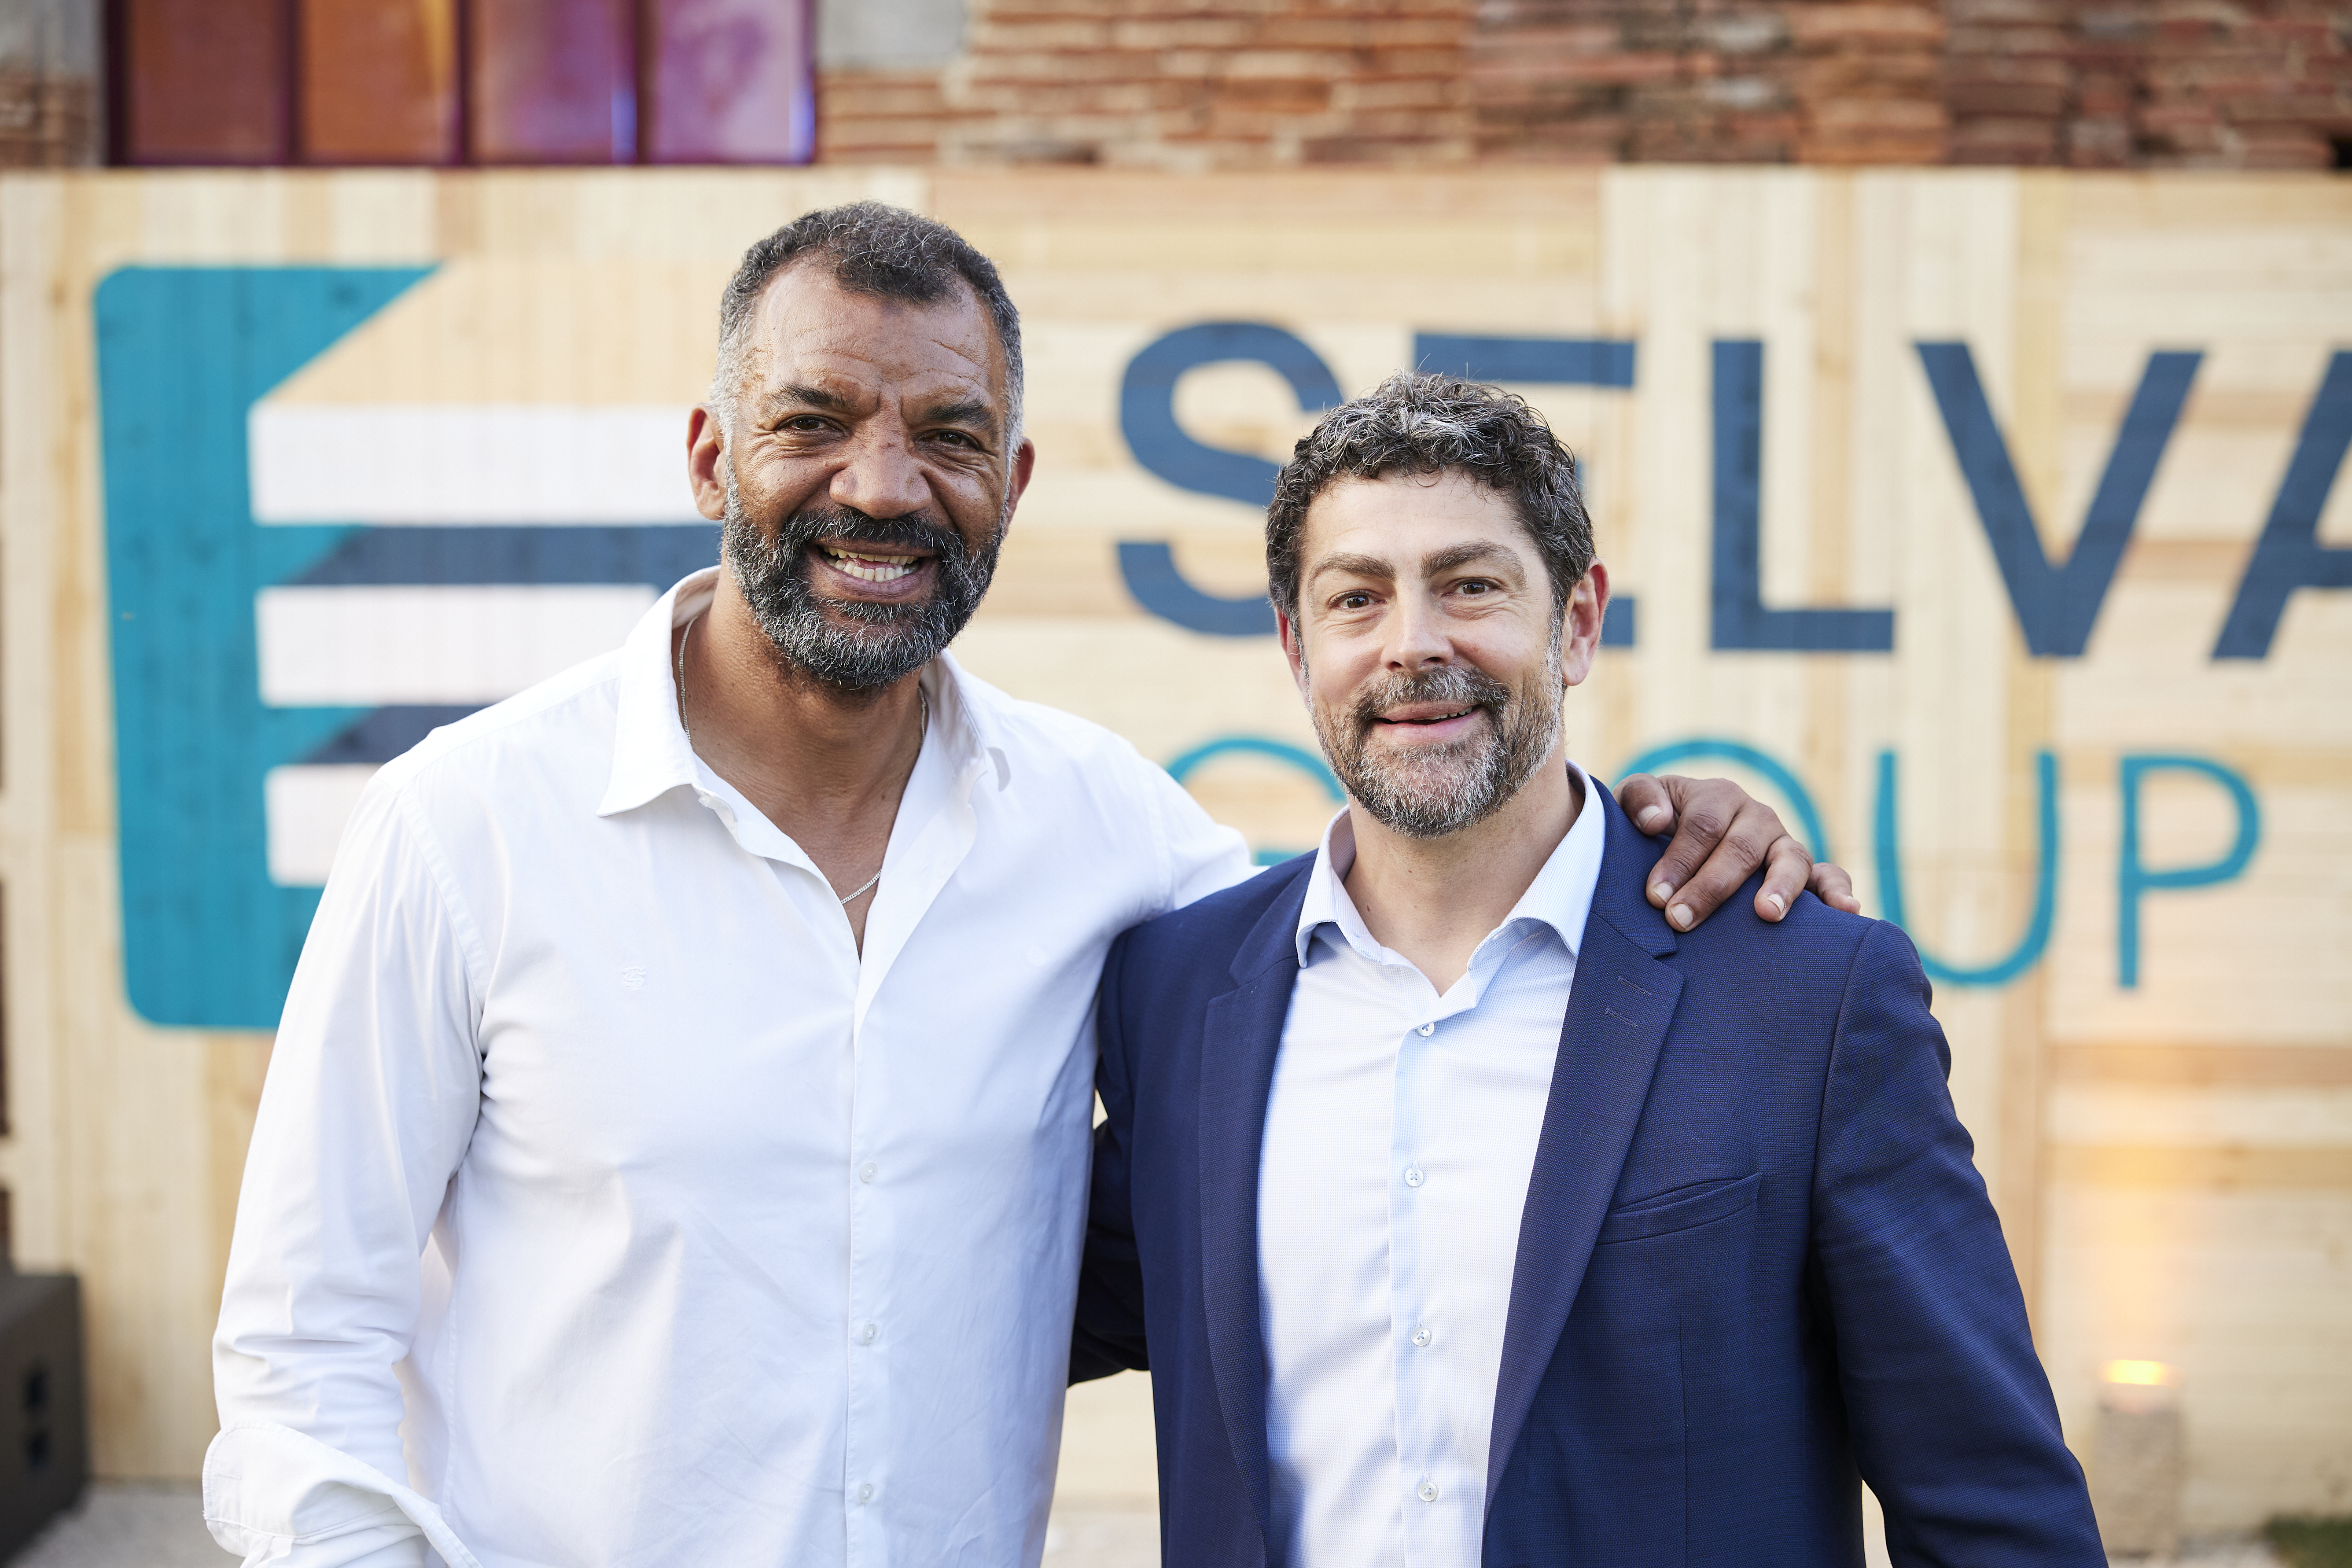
point(1428, 1492)
point(868, 1172)
point(1427, 1029)
point(1421, 1335)
point(1413, 1177)
point(867, 1334)
point(866, 1492)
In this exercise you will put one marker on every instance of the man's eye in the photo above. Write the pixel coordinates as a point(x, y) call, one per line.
point(805, 424)
point(1475, 586)
point(957, 439)
point(1352, 601)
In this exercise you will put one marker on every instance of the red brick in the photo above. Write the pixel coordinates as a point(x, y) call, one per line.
point(1875, 24)
point(2295, 149)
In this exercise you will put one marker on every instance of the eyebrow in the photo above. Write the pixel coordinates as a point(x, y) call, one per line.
point(969, 411)
point(1355, 565)
point(813, 396)
point(1444, 560)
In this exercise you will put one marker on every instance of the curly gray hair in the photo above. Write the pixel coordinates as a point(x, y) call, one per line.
point(884, 251)
point(1418, 422)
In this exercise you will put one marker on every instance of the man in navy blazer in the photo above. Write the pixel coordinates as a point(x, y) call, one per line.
point(1467, 1212)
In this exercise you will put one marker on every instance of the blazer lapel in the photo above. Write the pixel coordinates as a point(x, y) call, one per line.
point(1241, 1032)
point(1618, 1011)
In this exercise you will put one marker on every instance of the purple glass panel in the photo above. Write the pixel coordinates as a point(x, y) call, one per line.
point(553, 81)
point(732, 82)
point(200, 81)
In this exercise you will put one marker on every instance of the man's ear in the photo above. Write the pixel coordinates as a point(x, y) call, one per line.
point(1293, 651)
point(706, 455)
point(1016, 482)
point(1579, 633)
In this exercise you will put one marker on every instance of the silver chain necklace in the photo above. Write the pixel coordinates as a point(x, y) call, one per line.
point(921, 696)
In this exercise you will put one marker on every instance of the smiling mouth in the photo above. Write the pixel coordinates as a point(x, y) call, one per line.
point(872, 566)
point(1433, 718)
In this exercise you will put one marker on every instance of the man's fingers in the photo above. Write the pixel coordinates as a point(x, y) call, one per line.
point(1785, 865)
point(1721, 838)
point(1835, 888)
point(1646, 804)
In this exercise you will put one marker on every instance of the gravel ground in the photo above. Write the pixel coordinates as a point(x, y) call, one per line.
point(119, 1525)
point(122, 1525)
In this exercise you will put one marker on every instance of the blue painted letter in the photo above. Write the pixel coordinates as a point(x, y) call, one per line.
point(2289, 555)
point(1147, 418)
point(1741, 619)
point(2029, 949)
point(1551, 362)
point(2134, 878)
point(2056, 605)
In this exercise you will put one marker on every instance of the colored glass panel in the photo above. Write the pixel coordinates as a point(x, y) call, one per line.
point(732, 82)
point(378, 81)
point(552, 81)
point(200, 81)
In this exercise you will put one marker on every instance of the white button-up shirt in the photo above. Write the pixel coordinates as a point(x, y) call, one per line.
point(738, 1247)
point(1400, 1136)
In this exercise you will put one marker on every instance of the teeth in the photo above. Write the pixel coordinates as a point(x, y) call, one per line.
point(873, 568)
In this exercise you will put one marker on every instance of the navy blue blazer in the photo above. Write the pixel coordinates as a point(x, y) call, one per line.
point(1756, 1263)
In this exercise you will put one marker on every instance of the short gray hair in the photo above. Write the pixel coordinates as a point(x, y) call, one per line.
point(875, 249)
point(1419, 423)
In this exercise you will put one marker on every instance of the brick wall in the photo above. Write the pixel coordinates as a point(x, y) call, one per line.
point(45, 121)
point(49, 83)
point(1221, 84)
point(2140, 83)
point(1851, 81)
point(865, 116)
point(1207, 84)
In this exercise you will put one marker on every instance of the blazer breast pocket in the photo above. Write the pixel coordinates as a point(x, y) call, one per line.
point(1685, 1208)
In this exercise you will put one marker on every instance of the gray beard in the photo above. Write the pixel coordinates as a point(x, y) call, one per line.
point(882, 644)
point(1445, 789)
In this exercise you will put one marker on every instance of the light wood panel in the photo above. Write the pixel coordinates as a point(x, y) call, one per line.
point(2168, 1159)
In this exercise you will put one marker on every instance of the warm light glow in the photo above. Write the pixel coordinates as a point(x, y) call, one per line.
point(2145, 1373)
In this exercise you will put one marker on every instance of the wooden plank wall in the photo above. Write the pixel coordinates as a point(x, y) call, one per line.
point(2173, 1160)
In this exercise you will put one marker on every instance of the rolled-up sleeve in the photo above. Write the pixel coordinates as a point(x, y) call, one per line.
point(372, 1091)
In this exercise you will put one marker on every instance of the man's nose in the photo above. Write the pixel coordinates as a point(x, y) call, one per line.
point(881, 477)
point(1416, 634)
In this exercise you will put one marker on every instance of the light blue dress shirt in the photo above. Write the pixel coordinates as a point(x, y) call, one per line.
point(1400, 1136)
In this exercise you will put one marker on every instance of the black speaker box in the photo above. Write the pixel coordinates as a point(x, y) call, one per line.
point(44, 1429)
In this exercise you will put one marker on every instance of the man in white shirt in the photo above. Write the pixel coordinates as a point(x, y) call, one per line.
point(712, 1022)
point(1465, 1210)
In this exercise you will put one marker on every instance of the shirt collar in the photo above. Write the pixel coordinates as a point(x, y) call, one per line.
point(1561, 896)
point(652, 756)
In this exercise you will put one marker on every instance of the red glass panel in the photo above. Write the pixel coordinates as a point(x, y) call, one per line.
point(378, 81)
point(200, 81)
point(552, 81)
point(734, 81)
